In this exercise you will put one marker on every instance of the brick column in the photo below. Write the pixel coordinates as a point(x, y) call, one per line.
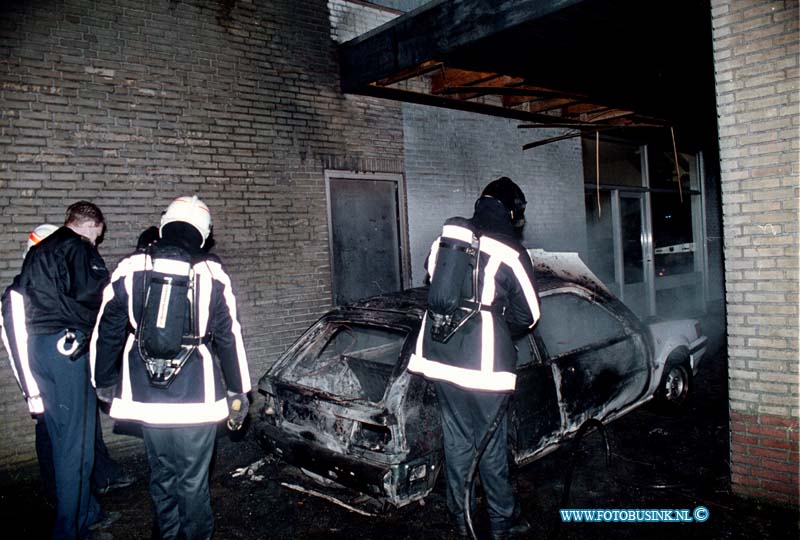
point(756, 66)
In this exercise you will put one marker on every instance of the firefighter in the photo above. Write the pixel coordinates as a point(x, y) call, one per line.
point(60, 287)
point(170, 315)
point(481, 298)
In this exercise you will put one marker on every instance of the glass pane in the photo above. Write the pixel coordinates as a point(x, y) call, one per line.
point(632, 257)
point(661, 168)
point(588, 323)
point(348, 361)
point(620, 164)
point(600, 236)
point(672, 234)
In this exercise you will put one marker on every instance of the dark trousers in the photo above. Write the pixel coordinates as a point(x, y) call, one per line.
point(70, 415)
point(466, 418)
point(105, 470)
point(179, 459)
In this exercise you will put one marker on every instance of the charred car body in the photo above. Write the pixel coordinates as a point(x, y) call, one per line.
point(340, 404)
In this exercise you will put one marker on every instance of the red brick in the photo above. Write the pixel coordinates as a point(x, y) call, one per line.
point(776, 433)
point(778, 476)
point(739, 449)
point(744, 439)
point(780, 487)
point(740, 469)
point(745, 479)
point(738, 427)
point(746, 460)
point(739, 417)
point(774, 443)
point(780, 421)
point(780, 455)
point(793, 468)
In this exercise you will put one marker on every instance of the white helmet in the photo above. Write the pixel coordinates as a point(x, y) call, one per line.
point(40, 233)
point(190, 210)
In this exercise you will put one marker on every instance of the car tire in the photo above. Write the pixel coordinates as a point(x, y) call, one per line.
point(675, 387)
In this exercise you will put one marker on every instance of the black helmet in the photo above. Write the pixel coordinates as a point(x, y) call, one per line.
point(508, 193)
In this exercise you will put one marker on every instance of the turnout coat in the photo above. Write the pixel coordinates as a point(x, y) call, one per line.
point(481, 354)
point(197, 394)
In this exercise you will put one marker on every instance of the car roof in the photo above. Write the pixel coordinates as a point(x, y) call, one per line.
point(415, 299)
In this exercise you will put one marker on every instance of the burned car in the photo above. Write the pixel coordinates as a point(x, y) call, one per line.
point(341, 406)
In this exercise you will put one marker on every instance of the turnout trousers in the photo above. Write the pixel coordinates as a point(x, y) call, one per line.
point(179, 459)
point(466, 418)
point(70, 415)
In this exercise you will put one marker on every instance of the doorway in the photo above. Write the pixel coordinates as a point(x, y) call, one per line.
point(619, 246)
point(645, 227)
point(367, 231)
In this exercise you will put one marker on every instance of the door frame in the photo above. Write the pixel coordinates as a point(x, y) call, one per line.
point(402, 218)
point(646, 240)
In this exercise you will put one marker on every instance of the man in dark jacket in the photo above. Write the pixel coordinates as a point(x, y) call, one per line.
point(61, 282)
point(482, 297)
point(175, 354)
point(107, 475)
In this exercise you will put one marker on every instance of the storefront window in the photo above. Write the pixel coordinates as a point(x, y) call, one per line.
point(672, 234)
point(620, 164)
point(662, 171)
point(642, 236)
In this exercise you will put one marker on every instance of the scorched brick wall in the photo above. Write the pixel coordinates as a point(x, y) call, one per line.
point(129, 103)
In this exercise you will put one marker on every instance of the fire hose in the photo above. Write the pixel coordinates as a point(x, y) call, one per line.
point(476, 459)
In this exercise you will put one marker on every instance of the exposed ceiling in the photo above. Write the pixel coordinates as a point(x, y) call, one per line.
point(633, 67)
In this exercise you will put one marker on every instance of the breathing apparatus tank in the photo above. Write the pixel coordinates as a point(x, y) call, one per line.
point(454, 280)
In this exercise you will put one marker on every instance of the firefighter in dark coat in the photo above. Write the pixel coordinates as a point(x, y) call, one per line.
point(481, 298)
point(61, 281)
point(170, 315)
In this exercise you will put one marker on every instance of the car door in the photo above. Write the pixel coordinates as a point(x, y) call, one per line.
point(535, 415)
point(599, 361)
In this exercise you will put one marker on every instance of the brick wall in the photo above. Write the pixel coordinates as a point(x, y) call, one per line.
point(351, 19)
point(756, 62)
point(451, 155)
point(129, 103)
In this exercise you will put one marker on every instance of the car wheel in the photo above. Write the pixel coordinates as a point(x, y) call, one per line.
point(675, 387)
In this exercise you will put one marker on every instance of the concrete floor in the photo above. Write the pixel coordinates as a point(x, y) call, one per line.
point(655, 462)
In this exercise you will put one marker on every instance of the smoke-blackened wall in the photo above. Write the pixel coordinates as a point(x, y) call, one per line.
point(451, 155)
point(132, 103)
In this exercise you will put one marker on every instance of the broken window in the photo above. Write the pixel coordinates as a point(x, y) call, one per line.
point(348, 361)
point(572, 322)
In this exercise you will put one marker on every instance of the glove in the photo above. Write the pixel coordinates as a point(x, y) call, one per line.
point(238, 405)
point(106, 393)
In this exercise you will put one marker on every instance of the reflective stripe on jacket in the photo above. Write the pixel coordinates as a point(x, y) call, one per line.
point(15, 340)
point(196, 395)
point(481, 355)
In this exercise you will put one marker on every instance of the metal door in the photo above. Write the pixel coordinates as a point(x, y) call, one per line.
point(366, 235)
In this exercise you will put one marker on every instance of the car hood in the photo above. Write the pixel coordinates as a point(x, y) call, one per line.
point(567, 266)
